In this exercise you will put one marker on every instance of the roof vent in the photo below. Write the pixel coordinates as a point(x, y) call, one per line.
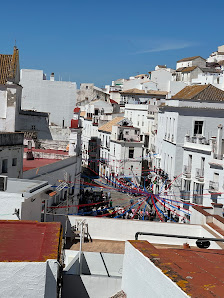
point(3, 183)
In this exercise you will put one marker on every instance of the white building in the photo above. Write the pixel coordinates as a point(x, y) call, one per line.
point(196, 110)
point(93, 115)
point(61, 169)
point(57, 98)
point(11, 154)
point(89, 92)
point(105, 138)
point(33, 268)
point(217, 56)
point(12, 117)
point(203, 168)
point(191, 61)
point(137, 96)
point(145, 117)
point(125, 152)
point(23, 199)
point(210, 76)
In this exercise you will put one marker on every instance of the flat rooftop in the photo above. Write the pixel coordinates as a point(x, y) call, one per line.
point(29, 241)
point(198, 272)
point(37, 163)
point(111, 246)
point(48, 151)
point(21, 186)
point(97, 245)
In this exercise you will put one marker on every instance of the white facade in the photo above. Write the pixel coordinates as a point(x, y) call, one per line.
point(176, 120)
point(11, 154)
point(138, 82)
point(203, 169)
point(88, 92)
point(217, 56)
point(25, 196)
point(126, 152)
point(35, 279)
point(141, 278)
point(55, 97)
point(216, 79)
point(192, 61)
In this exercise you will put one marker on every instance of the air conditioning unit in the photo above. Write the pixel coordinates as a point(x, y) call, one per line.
point(3, 182)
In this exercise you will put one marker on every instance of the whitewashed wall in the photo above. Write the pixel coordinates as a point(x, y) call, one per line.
point(35, 279)
point(125, 229)
point(55, 97)
point(141, 278)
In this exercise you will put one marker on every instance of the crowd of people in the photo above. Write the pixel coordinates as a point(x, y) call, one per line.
point(99, 203)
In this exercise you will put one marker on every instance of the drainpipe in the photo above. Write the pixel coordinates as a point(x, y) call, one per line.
point(219, 142)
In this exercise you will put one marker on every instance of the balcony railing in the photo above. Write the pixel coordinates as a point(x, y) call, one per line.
point(197, 140)
point(153, 148)
point(104, 161)
point(213, 186)
point(197, 198)
point(199, 174)
point(187, 171)
point(185, 195)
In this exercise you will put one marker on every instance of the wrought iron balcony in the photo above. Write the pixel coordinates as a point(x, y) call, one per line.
point(185, 195)
point(187, 171)
point(199, 174)
point(197, 198)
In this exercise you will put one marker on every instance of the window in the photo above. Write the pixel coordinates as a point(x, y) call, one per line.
point(5, 166)
point(131, 152)
point(136, 132)
point(86, 87)
point(14, 162)
point(142, 123)
point(33, 127)
point(198, 125)
point(141, 137)
point(189, 161)
point(126, 132)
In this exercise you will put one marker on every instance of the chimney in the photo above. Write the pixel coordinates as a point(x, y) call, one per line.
point(219, 142)
point(52, 77)
point(217, 209)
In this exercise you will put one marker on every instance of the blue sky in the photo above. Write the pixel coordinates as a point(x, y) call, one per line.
point(99, 41)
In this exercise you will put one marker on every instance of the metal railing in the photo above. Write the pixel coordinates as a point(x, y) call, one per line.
point(197, 198)
point(185, 195)
point(199, 173)
point(187, 170)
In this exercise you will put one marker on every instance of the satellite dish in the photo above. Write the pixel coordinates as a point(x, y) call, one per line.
point(202, 243)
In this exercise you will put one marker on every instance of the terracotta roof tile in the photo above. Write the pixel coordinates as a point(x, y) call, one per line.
point(140, 75)
point(149, 92)
point(190, 58)
point(189, 69)
point(202, 92)
point(8, 66)
point(108, 126)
